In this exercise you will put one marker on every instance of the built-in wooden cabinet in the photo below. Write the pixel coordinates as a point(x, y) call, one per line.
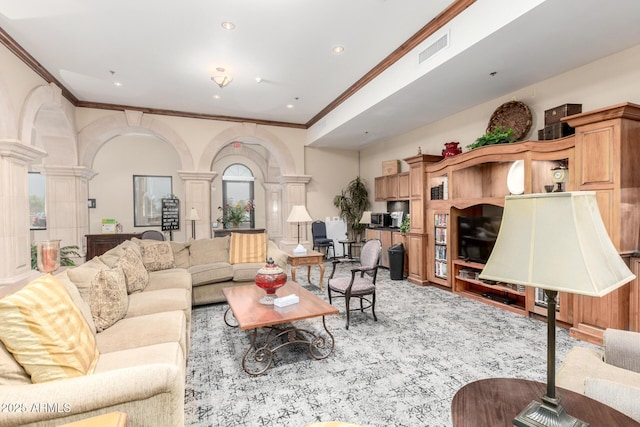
point(385, 239)
point(392, 187)
point(602, 156)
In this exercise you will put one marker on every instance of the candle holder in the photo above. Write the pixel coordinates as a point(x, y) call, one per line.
point(48, 255)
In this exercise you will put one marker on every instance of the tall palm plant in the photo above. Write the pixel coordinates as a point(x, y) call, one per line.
point(351, 203)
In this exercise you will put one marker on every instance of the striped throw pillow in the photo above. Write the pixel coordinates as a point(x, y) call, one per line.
point(46, 333)
point(245, 248)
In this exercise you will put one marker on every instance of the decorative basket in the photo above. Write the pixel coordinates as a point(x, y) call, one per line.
point(513, 114)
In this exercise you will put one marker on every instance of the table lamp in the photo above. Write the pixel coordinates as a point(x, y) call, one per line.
point(556, 242)
point(366, 218)
point(299, 214)
point(193, 217)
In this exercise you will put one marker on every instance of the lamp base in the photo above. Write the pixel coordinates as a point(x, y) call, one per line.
point(548, 413)
point(299, 250)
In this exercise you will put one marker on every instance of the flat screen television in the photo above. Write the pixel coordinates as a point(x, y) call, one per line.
point(477, 236)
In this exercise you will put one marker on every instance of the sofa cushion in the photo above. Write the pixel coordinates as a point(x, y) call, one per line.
point(156, 255)
point(139, 331)
point(180, 253)
point(247, 248)
point(211, 273)
point(113, 255)
point(11, 372)
point(165, 353)
point(109, 299)
point(169, 279)
point(77, 299)
point(83, 275)
point(207, 251)
point(621, 397)
point(246, 272)
point(135, 273)
point(46, 333)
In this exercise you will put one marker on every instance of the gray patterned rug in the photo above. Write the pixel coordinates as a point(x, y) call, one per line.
point(402, 370)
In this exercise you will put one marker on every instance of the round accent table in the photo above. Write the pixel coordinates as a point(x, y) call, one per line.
point(496, 402)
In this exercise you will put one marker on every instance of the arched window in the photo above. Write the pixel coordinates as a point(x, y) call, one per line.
point(237, 196)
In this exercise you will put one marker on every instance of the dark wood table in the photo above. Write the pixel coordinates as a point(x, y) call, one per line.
point(497, 401)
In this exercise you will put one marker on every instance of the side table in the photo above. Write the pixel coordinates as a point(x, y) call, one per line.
point(497, 401)
point(308, 259)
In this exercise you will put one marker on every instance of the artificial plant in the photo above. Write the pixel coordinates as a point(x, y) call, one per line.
point(351, 203)
point(499, 135)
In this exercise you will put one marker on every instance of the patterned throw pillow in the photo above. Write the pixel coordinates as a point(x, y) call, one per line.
point(46, 332)
point(135, 273)
point(247, 248)
point(109, 299)
point(156, 255)
point(83, 275)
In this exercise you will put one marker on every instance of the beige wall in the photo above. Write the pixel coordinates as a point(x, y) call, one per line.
point(608, 81)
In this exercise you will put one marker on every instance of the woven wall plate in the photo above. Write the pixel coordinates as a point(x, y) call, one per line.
point(513, 114)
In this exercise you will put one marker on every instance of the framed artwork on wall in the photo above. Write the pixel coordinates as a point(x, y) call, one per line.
point(148, 192)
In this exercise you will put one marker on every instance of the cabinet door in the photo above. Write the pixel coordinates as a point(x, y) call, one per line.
point(403, 186)
point(385, 239)
point(392, 187)
point(380, 184)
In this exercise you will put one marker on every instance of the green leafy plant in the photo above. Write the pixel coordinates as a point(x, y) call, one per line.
point(499, 135)
point(351, 203)
point(66, 252)
point(235, 213)
point(406, 224)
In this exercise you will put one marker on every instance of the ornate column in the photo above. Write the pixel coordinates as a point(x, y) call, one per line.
point(294, 188)
point(67, 210)
point(15, 245)
point(197, 194)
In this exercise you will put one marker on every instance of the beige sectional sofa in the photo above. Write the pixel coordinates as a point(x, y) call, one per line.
point(223, 262)
point(131, 308)
point(141, 358)
point(611, 376)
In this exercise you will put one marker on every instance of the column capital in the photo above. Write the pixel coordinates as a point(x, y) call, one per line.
point(17, 150)
point(198, 175)
point(57, 170)
point(295, 179)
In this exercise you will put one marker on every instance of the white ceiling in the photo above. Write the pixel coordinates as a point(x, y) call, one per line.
point(164, 52)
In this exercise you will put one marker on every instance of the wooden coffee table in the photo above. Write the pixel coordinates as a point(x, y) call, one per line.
point(496, 402)
point(310, 258)
point(247, 313)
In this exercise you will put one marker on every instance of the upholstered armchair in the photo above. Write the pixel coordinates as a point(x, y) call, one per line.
point(362, 283)
point(611, 377)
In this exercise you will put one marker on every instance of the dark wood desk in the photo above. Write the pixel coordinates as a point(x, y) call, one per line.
point(97, 244)
point(496, 402)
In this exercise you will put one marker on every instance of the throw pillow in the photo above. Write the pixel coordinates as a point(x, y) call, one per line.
point(82, 276)
point(109, 299)
point(181, 253)
point(135, 273)
point(46, 332)
point(207, 251)
point(247, 248)
point(156, 255)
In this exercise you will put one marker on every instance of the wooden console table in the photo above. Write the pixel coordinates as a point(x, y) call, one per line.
point(497, 401)
point(227, 231)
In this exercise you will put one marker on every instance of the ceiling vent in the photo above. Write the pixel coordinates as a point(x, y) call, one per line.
point(435, 47)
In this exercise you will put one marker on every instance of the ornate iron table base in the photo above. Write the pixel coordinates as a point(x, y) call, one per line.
point(258, 358)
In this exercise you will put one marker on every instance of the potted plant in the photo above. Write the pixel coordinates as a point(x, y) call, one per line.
point(499, 135)
point(351, 203)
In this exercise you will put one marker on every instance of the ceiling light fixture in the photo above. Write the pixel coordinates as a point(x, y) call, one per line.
point(338, 49)
point(289, 105)
point(222, 80)
point(258, 79)
point(228, 25)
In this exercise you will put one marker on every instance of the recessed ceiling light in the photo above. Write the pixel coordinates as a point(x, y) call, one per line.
point(289, 105)
point(228, 25)
point(115, 83)
point(258, 79)
point(338, 49)
point(216, 96)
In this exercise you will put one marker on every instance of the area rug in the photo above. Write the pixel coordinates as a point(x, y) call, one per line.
point(402, 370)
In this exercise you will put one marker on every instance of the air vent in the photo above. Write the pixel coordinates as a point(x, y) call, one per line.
point(435, 47)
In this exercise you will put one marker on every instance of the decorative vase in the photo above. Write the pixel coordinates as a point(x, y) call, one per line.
point(270, 278)
point(48, 255)
point(451, 149)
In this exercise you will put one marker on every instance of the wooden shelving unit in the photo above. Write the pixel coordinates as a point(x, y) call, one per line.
point(441, 248)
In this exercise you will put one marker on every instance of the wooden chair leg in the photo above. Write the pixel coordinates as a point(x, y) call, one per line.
point(373, 306)
point(348, 311)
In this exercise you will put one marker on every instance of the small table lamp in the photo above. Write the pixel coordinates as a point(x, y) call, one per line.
point(299, 214)
point(365, 218)
point(557, 242)
point(193, 217)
